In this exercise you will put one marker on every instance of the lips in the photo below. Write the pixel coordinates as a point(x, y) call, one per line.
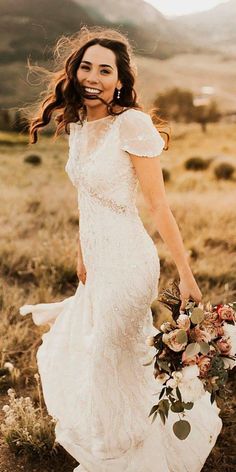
point(91, 92)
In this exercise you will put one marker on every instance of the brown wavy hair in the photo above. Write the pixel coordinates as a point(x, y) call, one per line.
point(63, 95)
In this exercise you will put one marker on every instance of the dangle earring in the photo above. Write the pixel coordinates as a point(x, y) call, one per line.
point(118, 94)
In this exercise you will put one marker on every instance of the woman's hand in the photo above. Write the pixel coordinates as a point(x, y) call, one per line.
point(189, 289)
point(81, 271)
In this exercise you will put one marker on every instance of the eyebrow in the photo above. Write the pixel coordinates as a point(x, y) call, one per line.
point(102, 65)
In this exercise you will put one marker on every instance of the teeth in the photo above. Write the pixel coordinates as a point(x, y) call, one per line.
point(92, 90)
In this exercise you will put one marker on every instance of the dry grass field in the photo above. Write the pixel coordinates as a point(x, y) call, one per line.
point(38, 234)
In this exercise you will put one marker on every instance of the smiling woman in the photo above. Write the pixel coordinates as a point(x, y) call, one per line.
point(93, 362)
point(99, 80)
point(92, 67)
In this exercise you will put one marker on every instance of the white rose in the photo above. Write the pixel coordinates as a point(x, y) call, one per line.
point(175, 381)
point(190, 372)
point(9, 366)
point(191, 390)
point(230, 331)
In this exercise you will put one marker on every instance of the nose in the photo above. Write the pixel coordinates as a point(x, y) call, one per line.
point(92, 77)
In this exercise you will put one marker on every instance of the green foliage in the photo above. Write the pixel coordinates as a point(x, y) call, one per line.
point(197, 315)
point(181, 336)
point(192, 349)
point(204, 347)
point(181, 429)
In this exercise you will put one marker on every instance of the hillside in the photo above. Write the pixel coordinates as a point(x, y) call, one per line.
point(214, 28)
point(169, 52)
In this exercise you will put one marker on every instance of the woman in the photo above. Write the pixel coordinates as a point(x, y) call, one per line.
point(91, 360)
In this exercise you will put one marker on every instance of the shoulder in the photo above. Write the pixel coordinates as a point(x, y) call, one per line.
point(134, 114)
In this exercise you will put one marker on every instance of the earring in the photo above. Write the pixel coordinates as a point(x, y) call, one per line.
point(118, 94)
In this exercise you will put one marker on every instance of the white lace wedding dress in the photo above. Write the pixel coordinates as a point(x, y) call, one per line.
point(91, 359)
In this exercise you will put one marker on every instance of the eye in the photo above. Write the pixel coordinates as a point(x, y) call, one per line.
point(106, 71)
point(84, 67)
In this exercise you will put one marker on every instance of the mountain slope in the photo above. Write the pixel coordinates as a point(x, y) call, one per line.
point(214, 28)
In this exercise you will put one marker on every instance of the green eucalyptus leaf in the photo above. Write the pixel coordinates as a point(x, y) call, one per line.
point(181, 336)
point(154, 408)
point(178, 393)
point(213, 396)
point(164, 366)
point(192, 349)
point(204, 347)
point(197, 315)
point(181, 429)
point(177, 407)
point(188, 405)
point(162, 415)
point(162, 393)
point(164, 406)
point(154, 416)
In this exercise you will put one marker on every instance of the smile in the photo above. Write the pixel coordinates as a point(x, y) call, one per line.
point(92, 90)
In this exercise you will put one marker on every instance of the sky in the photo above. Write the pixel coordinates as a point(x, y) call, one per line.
point(182, 7)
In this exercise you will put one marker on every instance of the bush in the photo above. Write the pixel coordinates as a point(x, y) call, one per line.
point(224, 171)
point(197, 163)
point(27, 429)
point(166, 175)
point(33, 159)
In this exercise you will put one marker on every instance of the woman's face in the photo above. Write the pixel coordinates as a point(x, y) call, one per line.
point(98, 74)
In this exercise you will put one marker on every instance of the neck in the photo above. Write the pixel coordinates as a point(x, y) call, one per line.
point(96, 114)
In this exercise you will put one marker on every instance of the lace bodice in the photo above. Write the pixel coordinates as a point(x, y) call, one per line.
point(99, 163)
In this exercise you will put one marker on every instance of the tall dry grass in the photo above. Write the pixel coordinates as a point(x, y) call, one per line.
point(39, 224)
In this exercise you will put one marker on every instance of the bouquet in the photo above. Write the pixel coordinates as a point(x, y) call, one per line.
point(195, 352)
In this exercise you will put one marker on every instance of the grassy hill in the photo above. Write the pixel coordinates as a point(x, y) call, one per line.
point(168, 52)
point(214, 28)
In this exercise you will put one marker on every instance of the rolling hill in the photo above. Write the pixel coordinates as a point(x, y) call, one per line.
point(183, 51)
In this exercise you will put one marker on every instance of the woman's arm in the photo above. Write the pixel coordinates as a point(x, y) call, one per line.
point(150, 176)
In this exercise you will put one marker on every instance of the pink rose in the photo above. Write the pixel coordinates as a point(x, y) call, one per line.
point(204, 363)
point(212, 317)
point(225, 312)
point(183, 322)
point(224, 345)
point(211, 329)
point(201, 335)
point(170, 340)
point(189, 360)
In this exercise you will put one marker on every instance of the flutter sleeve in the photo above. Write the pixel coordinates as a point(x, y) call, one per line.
point(138, 135)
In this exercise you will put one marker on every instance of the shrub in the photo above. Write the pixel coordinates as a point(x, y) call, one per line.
point(224, 171)
point(27, 429)
point(166, 175)
point(197, 163)
point(33, 159)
